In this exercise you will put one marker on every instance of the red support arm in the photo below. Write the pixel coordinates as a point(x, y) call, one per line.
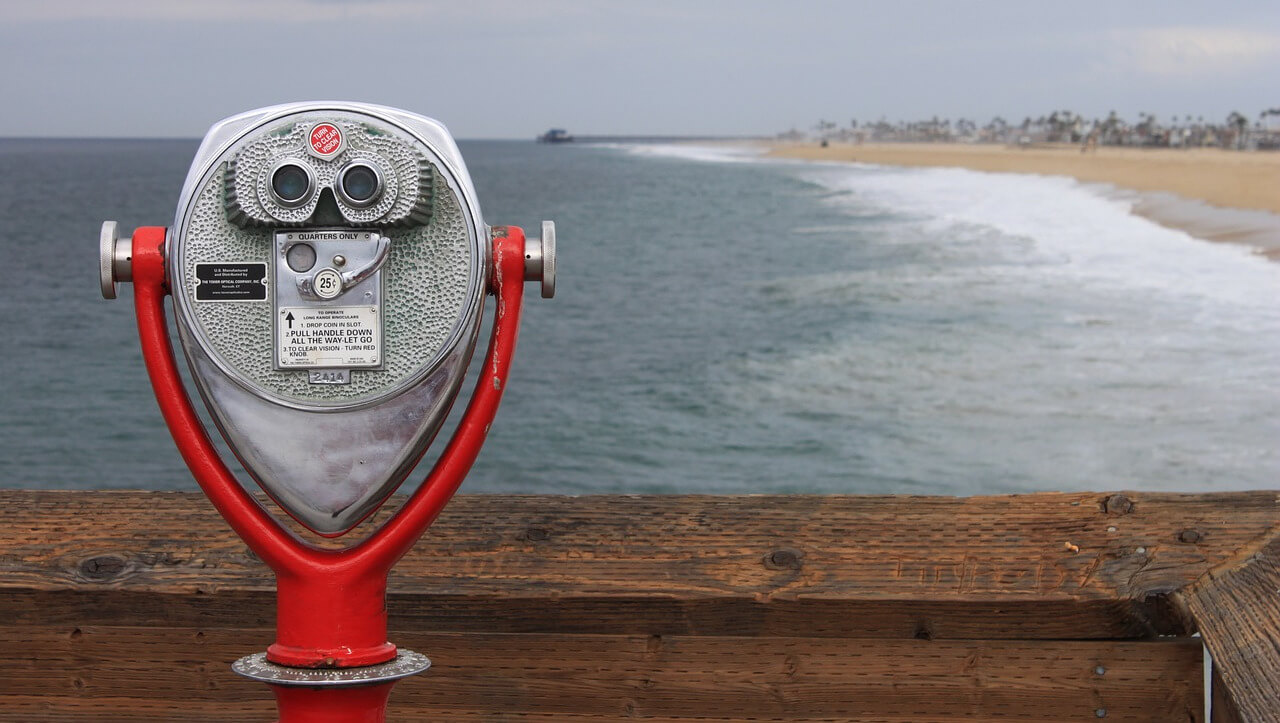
point(390, 543)
point(331, 608)
point(252, 523)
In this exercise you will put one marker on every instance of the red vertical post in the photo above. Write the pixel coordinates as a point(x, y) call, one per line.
point(345, 704)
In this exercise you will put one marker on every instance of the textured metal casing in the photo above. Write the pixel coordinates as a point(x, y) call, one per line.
point(330, 453)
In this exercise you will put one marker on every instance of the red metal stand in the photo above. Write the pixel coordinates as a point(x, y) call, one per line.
point(358, 704)
point(331, 608)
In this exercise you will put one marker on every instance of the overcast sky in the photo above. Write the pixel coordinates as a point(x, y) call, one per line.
point(512, 68)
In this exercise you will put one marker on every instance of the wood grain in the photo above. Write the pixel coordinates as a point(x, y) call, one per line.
point(166, 674)
point(130, 606)
point(1046, 565)
point(1237, 609)
point(1223, 707)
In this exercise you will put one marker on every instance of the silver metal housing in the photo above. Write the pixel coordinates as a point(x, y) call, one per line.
point(540, 259)
point(327, 452)
point(115, 259)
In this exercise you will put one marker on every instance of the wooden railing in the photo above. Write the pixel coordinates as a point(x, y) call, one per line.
point(130, 606)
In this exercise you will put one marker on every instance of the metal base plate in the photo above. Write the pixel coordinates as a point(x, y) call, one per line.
point(257, 667)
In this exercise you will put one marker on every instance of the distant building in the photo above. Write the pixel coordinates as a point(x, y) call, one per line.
point(555, 135)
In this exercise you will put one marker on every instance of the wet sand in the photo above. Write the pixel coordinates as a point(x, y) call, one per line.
point(1212, 194)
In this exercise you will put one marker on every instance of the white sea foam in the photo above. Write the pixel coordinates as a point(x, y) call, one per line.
point(1077, 229)
point(1030, 331)
point(1094, 234)
point(718, 153)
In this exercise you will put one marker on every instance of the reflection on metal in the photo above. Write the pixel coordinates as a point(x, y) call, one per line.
point(115, 259)
point(257, 667)
point(540, 259)
point(328, 469)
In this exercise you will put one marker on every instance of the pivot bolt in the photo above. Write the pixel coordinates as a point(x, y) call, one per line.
point(115, 259)
point(540, 259)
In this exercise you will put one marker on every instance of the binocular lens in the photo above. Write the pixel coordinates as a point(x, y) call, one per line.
point(291, 183)
point(360, 184)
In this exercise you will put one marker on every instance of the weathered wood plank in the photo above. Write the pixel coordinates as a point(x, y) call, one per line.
point(33, 709)
point(1080, 565)
point(542, 582)
point(533, 613)
point(145, 674)
point(1237, 609)
point(1223, 707)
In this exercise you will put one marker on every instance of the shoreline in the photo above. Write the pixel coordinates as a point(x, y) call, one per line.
point(1211, 194)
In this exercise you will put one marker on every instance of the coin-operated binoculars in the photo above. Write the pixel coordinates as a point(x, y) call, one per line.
point(328, 266)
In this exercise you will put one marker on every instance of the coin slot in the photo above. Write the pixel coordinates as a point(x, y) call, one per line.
point(301, 257)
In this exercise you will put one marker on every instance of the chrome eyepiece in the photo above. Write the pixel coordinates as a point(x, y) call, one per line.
point(359, 184)
point(292, 184)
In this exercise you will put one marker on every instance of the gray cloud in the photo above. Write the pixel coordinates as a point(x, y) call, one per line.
point(510, 68)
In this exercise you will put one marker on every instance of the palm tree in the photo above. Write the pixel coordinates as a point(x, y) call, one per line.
point(1109, 129)
point(1240, 123)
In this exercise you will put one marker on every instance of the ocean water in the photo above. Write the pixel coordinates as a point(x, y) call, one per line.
point(725, 323)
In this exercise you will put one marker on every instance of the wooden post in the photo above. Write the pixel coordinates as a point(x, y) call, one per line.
point(1224, 708)
point(1236, 606)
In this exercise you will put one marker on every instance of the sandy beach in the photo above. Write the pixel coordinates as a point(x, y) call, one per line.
point(1211, 193)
